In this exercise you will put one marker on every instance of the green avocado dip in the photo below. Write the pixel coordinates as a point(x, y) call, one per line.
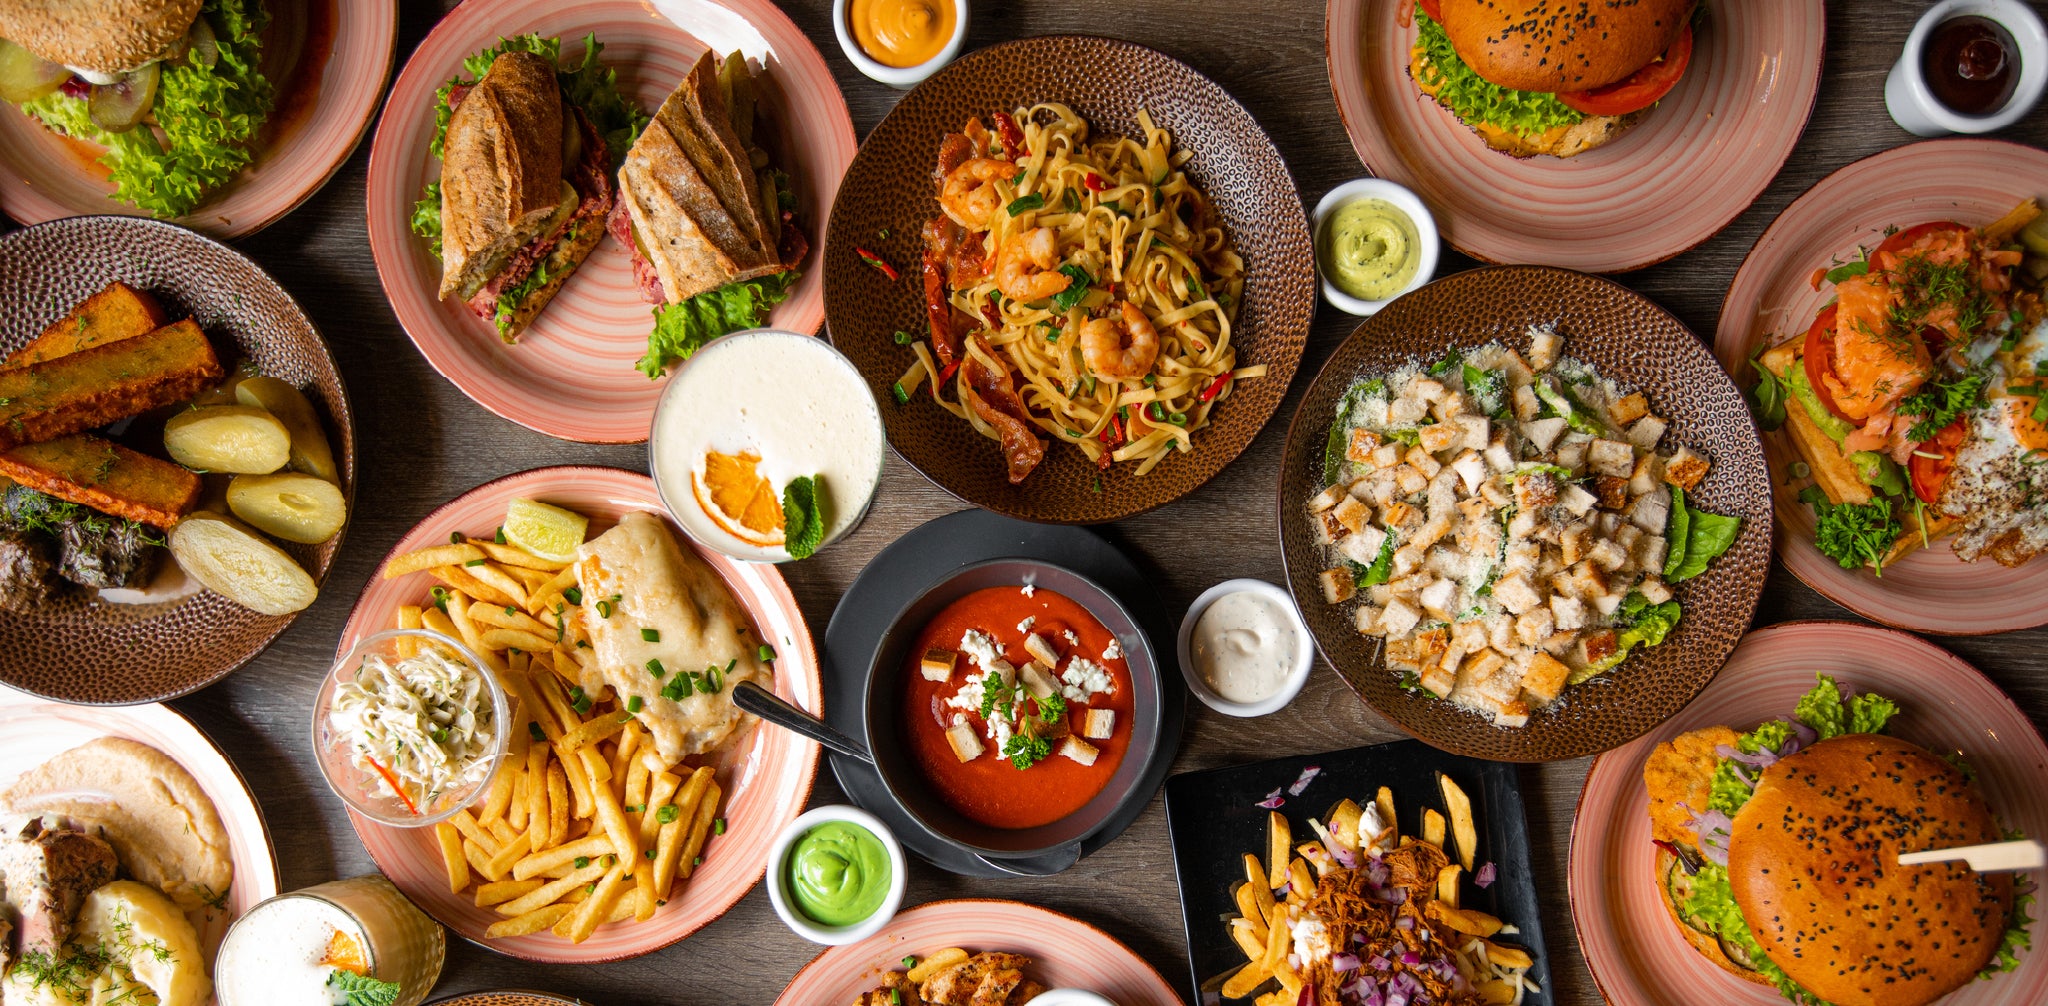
point(1370, 249)
point(838, 873)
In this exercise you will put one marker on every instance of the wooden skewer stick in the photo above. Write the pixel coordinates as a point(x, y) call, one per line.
point(1994, 857)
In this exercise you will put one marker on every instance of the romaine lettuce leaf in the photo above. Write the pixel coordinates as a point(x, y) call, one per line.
point(682, 329)
point(1476, 100)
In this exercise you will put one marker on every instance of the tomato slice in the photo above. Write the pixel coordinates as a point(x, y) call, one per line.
point(1931, 474)
point(1902, 240)
point(1433, 8)
point(1819, 356)
point(1641, 89)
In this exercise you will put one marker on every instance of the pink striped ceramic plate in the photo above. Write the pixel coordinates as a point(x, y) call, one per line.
point(1633, 945)
point(766, 775)
point(329, 60)
point(1067, 953)
point(1970, 181)
point(1698, 159)
point(32, 731)
point(571, 375)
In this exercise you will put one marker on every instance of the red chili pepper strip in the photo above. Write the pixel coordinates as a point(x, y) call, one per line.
point(946, 376)
point(1095, 183)
point(1215, 388)
point(393, 780)
point(1013, 137)
point(876, 260)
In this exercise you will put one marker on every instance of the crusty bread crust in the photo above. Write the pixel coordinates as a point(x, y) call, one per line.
point(501, 176)
point(104, 36)
point(1708, 946)
point(1546, 45)
point(1813, 863)
point(562, 263)
point(1560, 141)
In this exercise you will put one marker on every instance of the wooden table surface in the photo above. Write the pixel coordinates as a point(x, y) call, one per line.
point(423, 442)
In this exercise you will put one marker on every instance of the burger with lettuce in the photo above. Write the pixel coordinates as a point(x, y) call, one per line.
point(1778, 857)
point(171, 88)
point(1548, 77)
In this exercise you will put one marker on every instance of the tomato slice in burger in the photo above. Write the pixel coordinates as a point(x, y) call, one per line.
point(1819, 357)
point(1641, 89)
point(1930, 474)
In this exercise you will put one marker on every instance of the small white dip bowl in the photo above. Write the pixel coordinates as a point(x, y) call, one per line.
point(1297, 675)
point(902, 78)
point(1428, 248)
point(1913, 105)
point(778, 876)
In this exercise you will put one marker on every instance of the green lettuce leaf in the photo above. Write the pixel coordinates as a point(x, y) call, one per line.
point(1477, 101)
point(1707, 536)
point(207, 116)
point(1713, 902)
point(426, 216)
point(682, 329)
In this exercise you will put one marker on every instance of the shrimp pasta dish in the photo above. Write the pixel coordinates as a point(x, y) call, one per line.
point(1079, 288)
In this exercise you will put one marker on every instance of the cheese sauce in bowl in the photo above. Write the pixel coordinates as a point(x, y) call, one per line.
point(750, 420)
point(1243, 648)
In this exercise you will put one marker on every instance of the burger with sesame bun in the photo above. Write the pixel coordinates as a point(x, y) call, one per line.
point(1778, 857)
point(1555, 77)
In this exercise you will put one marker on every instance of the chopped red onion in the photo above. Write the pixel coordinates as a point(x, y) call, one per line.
point(1308, 775)
point(1764, 757)
point(1405, 922)
point(1376, 872)
point(1344, 857)
point(1379, 962)
point(1341, 962)
point(1803, 735)
point(1273, 801)
point(1486, 875)
point(1411, 959)
point(1396, 998)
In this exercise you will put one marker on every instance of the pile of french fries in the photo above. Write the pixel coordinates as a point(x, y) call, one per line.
point(585, 823)
point(1263, 927)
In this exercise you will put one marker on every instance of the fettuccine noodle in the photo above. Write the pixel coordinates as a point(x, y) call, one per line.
point(1130, 227)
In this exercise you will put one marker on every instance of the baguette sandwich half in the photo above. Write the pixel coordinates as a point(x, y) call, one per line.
point(709, 221)
point(526, 178)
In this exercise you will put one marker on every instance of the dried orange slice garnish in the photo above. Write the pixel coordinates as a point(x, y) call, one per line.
point(738, 498)
point(346, 953)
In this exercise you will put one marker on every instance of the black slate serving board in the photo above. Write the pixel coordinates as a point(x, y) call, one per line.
point(1214, 818)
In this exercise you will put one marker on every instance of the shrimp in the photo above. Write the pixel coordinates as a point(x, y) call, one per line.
point(970, 195)
point(1120, 348)
point(1024, 267)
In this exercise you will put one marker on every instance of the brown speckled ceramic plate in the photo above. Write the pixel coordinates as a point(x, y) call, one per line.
point(1630, 340)
point(79, 649)
point(888, 189)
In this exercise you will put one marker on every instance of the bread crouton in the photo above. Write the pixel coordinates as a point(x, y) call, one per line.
point(1545, 675)
point(1326, 499)
point(1629, 408)
point(1516, 594)
point(1685, 469)
point(1399, 618)
point(1363, 444)
point(1329, 530)
point(1611, 491)
point(1611, 457)
point(1338, 585)
point(1544, 346)
point(1351, 515)
point(1598, 646)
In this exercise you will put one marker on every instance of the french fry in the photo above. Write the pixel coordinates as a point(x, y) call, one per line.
point(693, 847)
point(452, 857)
point(551, 591)
point(579, 784)
point(1433, 827)
point(528, 924)
point(522, 801)
point(502, 832)
point(1247, 979)
point(590, 732)
point(476, 857)
point(436, 620)
point(1277, 997)
point(1507, 956)
point(593, 911)
point(534, 864)
point(935, 962)
point(662, 787)
point(497, 579)
point(1280, 840)
point(467, 827)
point(1462, 826)
point(1248, 907)
point(625, 838)
point(1344, 824)
point(622, 751)
point(1262, 886)
point(668, 848)
point(515, 619)
point(1495, 991)
point(529, 579)
point(496, 800)
point(630, 906)
point(1385, 801)
point(558, 804)
point(552, 891)
point(513, 555)
point(458, 579)
point(408, 618)
point(1302, 883)
point(1278, 938)
point(498, 892)
point(636, 788)
point(1447, 884)
point(428, 558)
point(1464, 920)
point(513, 852)
point(537, 797)
point(1250, 939)
point(514, 639)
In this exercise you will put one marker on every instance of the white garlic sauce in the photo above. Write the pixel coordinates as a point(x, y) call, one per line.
point(1245, 646)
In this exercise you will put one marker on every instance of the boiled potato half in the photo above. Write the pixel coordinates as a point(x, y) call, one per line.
point(310, 452)
point(233, 560)
point(289, 505)
point(228, 438)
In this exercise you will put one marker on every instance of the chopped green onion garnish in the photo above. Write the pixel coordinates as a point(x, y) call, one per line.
point(633, 704)
point(767, 653)
point(476, 562)
point(666, 814)
point(718, 826)
point(573, 595)
point(651, 635)
point(654, 667)
point(582, 862)
point(902, 337)
point(454, 537)
point(896, 391)
point(499, 537)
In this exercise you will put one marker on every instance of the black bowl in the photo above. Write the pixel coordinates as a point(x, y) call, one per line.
point(1047, 848)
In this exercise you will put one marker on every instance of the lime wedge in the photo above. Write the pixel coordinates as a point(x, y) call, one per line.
point(547, 531)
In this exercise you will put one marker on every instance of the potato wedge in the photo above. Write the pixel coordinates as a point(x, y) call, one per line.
point(229, 558)
point(310, 452)
point(1463, 828)
point(289, 505)
point(228, 438)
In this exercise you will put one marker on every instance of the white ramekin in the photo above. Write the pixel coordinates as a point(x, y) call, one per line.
point(1429, 246)
point(900, 77)
point(1069, 997)
point(1914, 107)
point(1297, 676)
point(778, 876)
